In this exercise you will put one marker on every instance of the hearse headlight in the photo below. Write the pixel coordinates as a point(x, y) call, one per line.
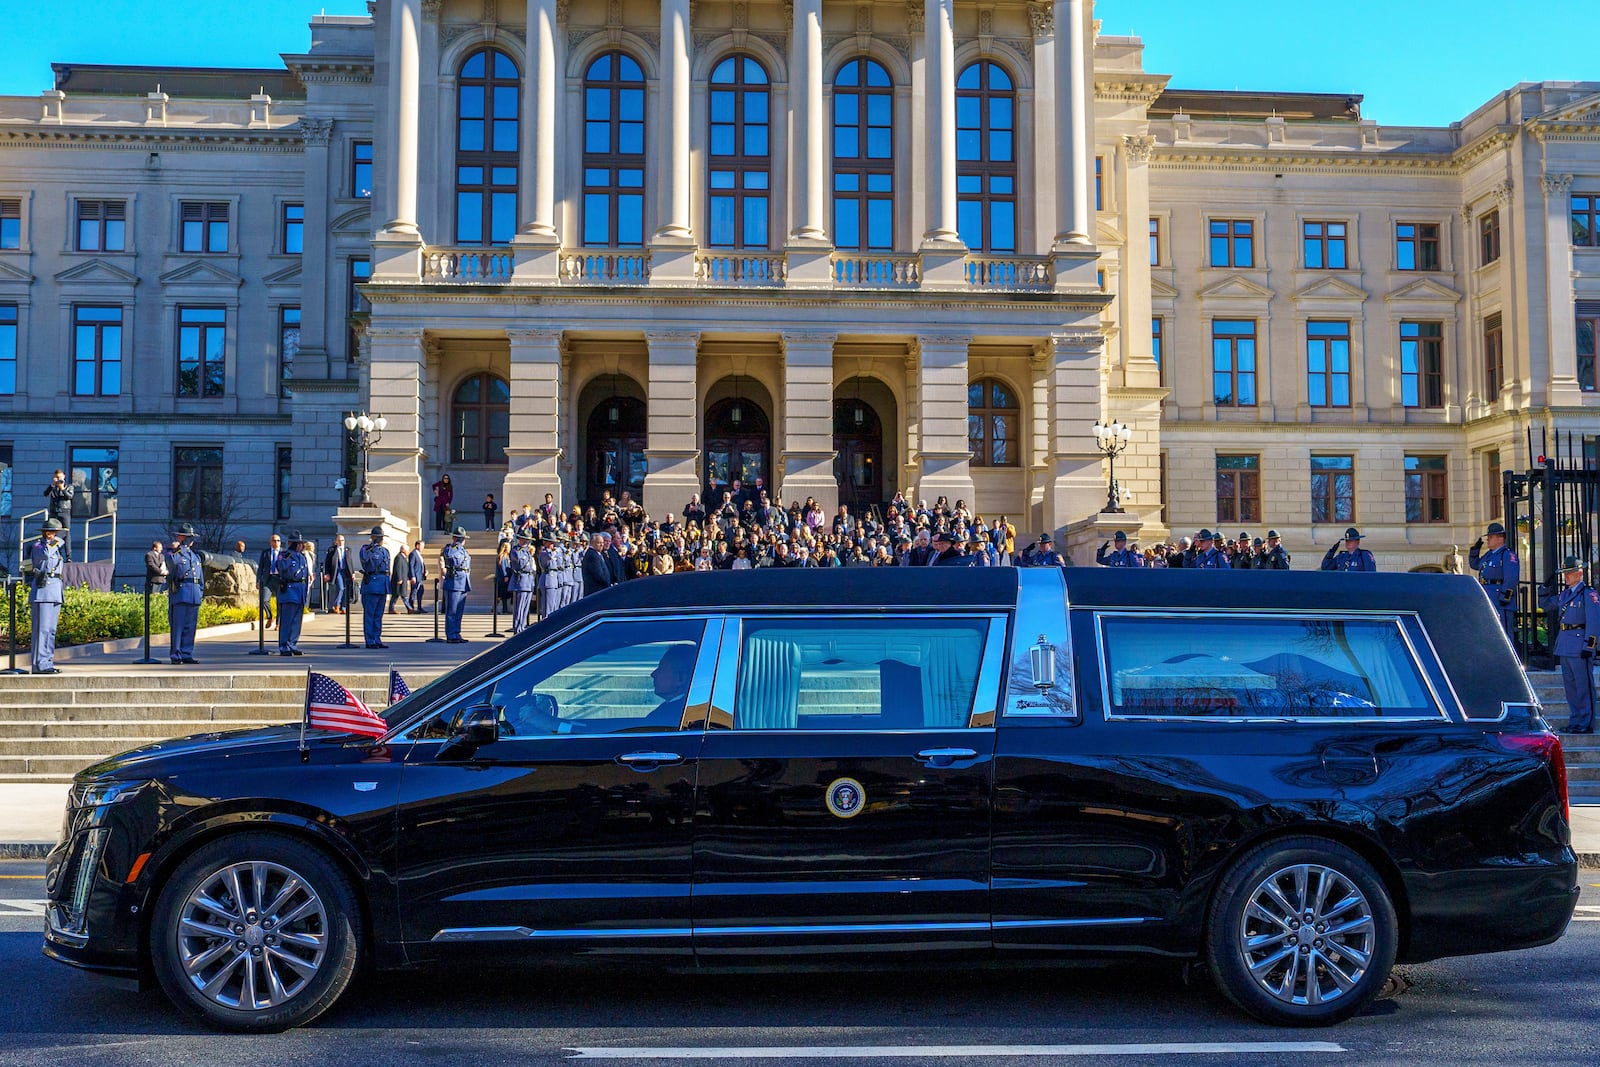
point(70, 918)
point(99, 794)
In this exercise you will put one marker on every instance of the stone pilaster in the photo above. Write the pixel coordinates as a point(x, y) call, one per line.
point(533, 451)
point(673, 452)
point(1074, 483)
point(1563, 369)
point(806, 464)
point(1139, 366)
point(944, 459)
point(394, 390)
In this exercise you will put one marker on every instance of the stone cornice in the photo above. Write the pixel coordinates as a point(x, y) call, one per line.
point(287, 139)
point(1308, 160)
point(1130, 88)
point(1091, 302)
point(331, 70)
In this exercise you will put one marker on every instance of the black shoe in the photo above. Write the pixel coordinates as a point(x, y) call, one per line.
point(176, 662)
point(380, 644)
point(295, 652)
point(190, 661)
point(48, 670)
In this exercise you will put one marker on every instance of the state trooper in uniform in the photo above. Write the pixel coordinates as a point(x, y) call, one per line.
point(457, 584)
point(521, 582)
point(374, 588)
point(574, 570)
point(186, 583)
point(1578, 611)
point(1498, 572)
point(1047, 556)
point(548, 580)
point(1207, 556)
point(1121, 556)
point(1348, 555)
point(48, 557)
point(1276, 557)
point(294, 572)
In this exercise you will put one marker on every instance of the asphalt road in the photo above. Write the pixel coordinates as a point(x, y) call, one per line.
point(1539, 1008)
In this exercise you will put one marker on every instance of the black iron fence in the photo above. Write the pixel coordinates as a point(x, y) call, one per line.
point(1552, 511)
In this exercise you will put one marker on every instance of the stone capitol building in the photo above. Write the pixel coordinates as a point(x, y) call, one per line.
point(847, 249)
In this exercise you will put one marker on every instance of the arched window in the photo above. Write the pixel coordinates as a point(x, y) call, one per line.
point(992, 414)
point(480, 420)
point(613, 152)
point(863, 156)
point(740, 176)
point(986, 158)
point(488, 95)
point(619, 431)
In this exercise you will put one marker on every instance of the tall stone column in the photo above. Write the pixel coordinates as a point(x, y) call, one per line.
point(397, 248)
point(806, 465)
point(1139, 364)
point(312, 360)
point(672, 454)
point(806, 109)
point(674, 228)
point(943, 456)
point(1563, 369)
point(533, 451)
point(1074, 488)
point(394, 390)
point(1041, 17)
point(939, 33)
point(538, 242)
point(1074, 222)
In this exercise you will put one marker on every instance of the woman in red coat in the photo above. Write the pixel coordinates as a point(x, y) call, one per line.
point(443, 494)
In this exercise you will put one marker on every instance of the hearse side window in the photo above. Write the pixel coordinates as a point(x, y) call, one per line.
point(618, 677)
point(858, 674)
point(1204, 666)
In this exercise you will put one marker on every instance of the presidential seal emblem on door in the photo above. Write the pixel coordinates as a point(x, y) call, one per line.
point(845, 798)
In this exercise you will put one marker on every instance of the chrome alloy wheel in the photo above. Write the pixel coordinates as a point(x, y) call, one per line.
point(252, 935)
point(1307, 935)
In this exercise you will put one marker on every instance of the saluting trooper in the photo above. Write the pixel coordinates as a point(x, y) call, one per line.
point(374, 588)
point(1207, 556)
point(1348, 555)
point(48, 557)
point(186, 581)
point(1498, 572)
point(521, 581)
point(457, 584)
point(1578, 609)
point(1277, 557)
point(548, 580)
point(295, 572)
point(1121, 556)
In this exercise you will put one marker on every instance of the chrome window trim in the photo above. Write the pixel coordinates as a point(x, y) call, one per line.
point(1043, 610)
point(1450, 685)
point(995, 642)
point(459, 934)
point(401, 734)
point(1354, 720)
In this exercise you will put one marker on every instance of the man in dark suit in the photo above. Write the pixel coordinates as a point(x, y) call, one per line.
point(155, 564)
point(945, 552)
point(336, 580)
point(596, 571)
point(267, 577)
point(614, 562)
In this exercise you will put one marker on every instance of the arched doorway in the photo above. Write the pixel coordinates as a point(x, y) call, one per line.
point(858, 448)
point(617, 433)
point(738, 447)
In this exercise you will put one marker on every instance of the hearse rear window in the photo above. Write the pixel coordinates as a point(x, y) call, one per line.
point(1204, 666)
point(858, 674)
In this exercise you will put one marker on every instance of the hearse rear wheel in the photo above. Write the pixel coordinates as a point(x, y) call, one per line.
point(255, 933)
point(1302, 932)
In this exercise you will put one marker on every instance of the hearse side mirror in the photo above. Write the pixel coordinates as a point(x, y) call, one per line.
point(1042, 659)
point(479, 726)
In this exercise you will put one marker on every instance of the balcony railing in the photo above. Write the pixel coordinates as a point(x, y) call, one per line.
point(743, 269)
point(602, 266)
point(756, 270)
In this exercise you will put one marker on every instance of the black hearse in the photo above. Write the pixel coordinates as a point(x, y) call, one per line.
point(1296, 778)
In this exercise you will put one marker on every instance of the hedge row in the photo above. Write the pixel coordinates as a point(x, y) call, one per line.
point(88, 616)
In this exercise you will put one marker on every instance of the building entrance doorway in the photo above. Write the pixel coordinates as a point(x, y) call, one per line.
point(617, 433)
point(738, 446)
point(858, 449)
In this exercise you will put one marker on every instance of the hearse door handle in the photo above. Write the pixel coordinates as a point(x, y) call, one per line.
point(648, 761)
point(944, 757)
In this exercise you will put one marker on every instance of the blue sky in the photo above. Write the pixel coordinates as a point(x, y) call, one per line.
point(1426, 62)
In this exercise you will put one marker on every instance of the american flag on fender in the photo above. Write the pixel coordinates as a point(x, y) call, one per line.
point(330, 706)
point(398, 689)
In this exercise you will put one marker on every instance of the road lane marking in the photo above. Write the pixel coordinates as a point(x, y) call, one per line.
point(35, 877)
point(1587, 913)
point(861, 1052)
point(22, 907)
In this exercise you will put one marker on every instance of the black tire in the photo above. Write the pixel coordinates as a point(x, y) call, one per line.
point(332, 921)
point(1290, 991)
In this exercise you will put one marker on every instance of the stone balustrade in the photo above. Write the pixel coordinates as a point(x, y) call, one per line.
point(856, 270)
point(604, 266)
point(482, 266)
point(740, 268)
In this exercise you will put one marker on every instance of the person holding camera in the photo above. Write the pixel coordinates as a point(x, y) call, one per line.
point(1577, 608)
point(59, 496)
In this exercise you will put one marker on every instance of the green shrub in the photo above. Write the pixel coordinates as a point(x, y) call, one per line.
point(89, 616)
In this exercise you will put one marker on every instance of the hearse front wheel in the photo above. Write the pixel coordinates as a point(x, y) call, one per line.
point(1302, 933)
point(255, 933)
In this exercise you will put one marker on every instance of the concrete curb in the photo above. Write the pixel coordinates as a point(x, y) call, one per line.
point(26, 850)
point(128, 644)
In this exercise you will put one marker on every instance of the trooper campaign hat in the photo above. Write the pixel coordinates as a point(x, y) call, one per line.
point(1573, 563)
point(526, 534)
point(1352, 534)
point(376, 531)
point(1120, 536)
point(52, 525)
point(459, 533)
point(1271, 534)
point(1205, 535)
point(1495, 528)
point(944, 535)
point(184, 530)
point(295, 538)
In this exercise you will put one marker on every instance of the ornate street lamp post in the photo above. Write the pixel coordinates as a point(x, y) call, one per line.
point(364, 434)
point(1112, 438)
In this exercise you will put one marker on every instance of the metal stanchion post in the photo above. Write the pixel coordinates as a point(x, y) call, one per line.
point(11, 631)
point(261, 619)
point(346, 599)
point(435, 639)
point(494, 613)
point(148, 591)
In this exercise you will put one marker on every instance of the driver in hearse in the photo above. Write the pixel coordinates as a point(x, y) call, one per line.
point(671, 681)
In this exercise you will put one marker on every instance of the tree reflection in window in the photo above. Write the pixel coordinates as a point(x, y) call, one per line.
point(993, 414)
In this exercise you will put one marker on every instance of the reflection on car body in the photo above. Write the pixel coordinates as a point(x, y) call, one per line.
point(881, 766)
